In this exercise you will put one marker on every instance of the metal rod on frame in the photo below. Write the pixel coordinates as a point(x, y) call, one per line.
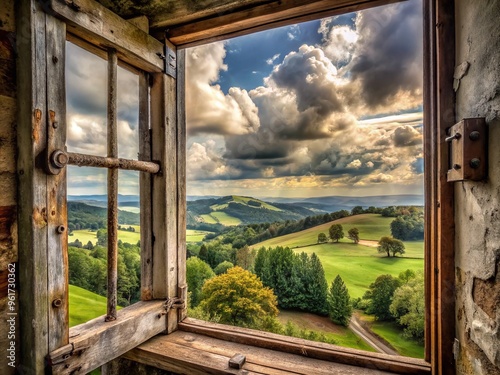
point(112, 187)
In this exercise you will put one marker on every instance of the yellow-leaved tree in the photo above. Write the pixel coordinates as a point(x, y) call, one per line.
point(238, 297)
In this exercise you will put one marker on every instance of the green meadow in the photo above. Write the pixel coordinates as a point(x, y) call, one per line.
point(84, 305)
point(86, 235)
point(358, 264)
point(193, 235)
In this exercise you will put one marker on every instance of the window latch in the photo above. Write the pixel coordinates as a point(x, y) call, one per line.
point(174, 303)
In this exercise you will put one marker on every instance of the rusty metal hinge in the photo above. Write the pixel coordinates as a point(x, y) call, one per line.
point(170, 62)
point(64, 353)
point(174, 303)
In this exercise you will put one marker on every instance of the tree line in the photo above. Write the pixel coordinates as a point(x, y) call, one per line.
point(297, 282)
point(399, 299)
point(88, 270)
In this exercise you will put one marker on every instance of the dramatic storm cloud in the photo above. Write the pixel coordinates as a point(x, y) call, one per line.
point(344, 112)
point(210, 110)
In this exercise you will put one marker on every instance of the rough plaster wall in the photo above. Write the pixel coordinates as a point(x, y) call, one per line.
point(8, 226)
point(477, 204)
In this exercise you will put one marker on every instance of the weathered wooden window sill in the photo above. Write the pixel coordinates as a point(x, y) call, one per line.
point(206, 348)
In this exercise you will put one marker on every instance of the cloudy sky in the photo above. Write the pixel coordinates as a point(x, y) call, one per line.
point(329, 107)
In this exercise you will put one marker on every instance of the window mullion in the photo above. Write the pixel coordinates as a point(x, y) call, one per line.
point(112, 187)
point(145, 181)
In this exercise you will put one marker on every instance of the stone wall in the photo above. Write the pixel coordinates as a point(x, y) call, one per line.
point(477, 204)
point(8, 219)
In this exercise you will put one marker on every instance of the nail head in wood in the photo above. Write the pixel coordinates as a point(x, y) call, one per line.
point(237, 361)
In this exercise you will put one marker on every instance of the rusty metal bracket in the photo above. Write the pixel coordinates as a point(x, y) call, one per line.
point(467, 142)
point(170, 62)
point(174, 303)
point(64, 353)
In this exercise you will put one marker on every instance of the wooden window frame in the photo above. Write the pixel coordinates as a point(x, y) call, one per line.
point(46, 339)
point(42, 197)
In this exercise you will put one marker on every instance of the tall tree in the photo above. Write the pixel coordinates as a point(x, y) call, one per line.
point(380, 295)
point(336, 232)
point(390, 246)
point(339, 302)
point(238, 297)
point(353, 234)
point(322, 238)
point(197, 272)
point(317, 287)
point(408, 306)
point(203, 254)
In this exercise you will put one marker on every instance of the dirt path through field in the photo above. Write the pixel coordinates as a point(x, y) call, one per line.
point(369, 337)
point(370, 243)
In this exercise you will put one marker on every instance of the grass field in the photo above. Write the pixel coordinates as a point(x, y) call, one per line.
point(208, 219)
point(343, 336)
point(390, 332)
point(358, 265)
point(85, 235)
point(195, 235)
point(225, 219)
point(84, 305)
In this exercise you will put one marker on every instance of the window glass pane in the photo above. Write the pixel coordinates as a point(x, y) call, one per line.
point(129, 236)
point(128, 114)
point(304, 158)
point(86, 100)
point(87, 243)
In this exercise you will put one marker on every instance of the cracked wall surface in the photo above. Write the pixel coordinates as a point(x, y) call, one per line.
point(477, 204)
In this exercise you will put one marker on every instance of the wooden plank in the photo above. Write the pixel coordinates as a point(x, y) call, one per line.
point(262, 17)
point(181, 179)
point(112, 262)
point(313, 349)
point(445, 65)
point(32, 193)
point(57, 234)
point(429, 181)
point(91, 21)
point(170, 171)
point(164, 150)
point(145, 191)
point(96, 342)
point(159, 190)
point(195, 353)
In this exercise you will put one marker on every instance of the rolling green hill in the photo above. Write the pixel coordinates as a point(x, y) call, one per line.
point(84, 305)
point(234, 210)
point(358, 264)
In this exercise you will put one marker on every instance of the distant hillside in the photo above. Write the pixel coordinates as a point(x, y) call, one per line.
point(82, 216)
point(337, 203)
point(234, 210)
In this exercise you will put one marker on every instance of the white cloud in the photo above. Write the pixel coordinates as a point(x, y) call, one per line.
point(356, 164)
point(208, 109)
point(273, 59)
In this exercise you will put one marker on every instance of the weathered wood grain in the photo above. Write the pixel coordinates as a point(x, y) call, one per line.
point(96, 342)
point(32, 190)
point(93, 22)
point(164, 149)
point(181, 179)
point(299, 347)
point(242, 21)
point(145, 187)
point(445, 254)
point(57, 234)
point(198, 354)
